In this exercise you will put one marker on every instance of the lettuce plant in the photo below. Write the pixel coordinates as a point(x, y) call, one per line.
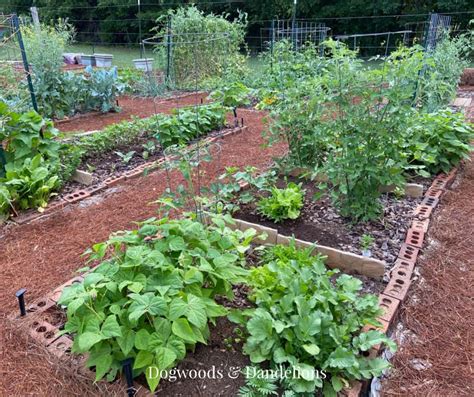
point(282, 203)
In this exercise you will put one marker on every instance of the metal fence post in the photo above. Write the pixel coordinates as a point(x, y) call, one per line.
point(168, 50)
point(16, 25)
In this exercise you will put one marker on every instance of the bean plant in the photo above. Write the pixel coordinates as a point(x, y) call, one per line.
point(30, 161)
point(152, 296)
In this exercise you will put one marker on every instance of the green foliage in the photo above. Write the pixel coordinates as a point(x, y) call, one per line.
point(258, 386)
point(346, 122)
point(21, 136)
point(442, 72)
point(203, 46)
point(32, 160)
point(438, 141)
point(103, 88)
point(189, 123)
point(151, 298)
point(126, 157)
point(233, 95)
point(308, 320)
point(179, 128)
point(31, 184)
point(228, 194)
point(366, 242)
point(62, 94)
point(282, 203)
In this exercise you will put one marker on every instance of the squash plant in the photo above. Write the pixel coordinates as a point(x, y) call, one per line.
point(308, 320)
point(152, 296)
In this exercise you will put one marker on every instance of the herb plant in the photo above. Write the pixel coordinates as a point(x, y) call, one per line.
point(151, 297)
point(366, 242)
point(282, 203)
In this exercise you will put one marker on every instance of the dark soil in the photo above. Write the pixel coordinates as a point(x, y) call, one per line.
point(221, 361)
point(320, 222)
point(107, 164)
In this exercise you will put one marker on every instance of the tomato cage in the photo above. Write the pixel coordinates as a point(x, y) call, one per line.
point(187, 61)
point(16, 87)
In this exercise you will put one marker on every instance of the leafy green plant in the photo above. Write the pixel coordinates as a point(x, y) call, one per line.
point(45, 47)
point(149, 148)
point(26, 135)
point(438, 141)
point(152, 296)
point(307, 320)
point(126, 157)
point(233, 95)
point(203, 46)
point(228, 193)
point(30, 185)
point(189, 123)
point(30, 173)
point(366, 243)
point(282, 203)
point(257, 386)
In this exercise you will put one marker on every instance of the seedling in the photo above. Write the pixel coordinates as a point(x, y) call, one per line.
point(149, 148)
point(126, 157)
point(366, 243)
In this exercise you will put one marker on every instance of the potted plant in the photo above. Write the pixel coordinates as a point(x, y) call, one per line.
point(145, 64)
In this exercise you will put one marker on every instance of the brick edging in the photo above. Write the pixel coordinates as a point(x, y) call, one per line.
point(85, 192)
point(390, 299)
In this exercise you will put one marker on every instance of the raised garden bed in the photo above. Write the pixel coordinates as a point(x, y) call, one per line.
point(74, 191)
point(44, 318)
point(320, 222)
point(129, 107)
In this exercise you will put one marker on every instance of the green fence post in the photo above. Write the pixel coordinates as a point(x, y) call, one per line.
point(16, 25)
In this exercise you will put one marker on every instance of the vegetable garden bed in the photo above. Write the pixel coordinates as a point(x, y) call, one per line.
point(129, 107)
point(320, 222)
point(45, 319)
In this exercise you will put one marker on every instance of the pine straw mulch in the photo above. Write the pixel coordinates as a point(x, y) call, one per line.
point(436, 355)
point(44, 254)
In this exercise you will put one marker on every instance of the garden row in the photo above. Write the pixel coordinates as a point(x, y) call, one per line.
point(38, 163)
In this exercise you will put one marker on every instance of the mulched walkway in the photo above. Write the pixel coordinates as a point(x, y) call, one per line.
point(44, 254)
point(129, 107)
point(435, 334)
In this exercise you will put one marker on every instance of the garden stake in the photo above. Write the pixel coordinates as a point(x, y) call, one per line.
point(127, 369)
point(20, 294)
